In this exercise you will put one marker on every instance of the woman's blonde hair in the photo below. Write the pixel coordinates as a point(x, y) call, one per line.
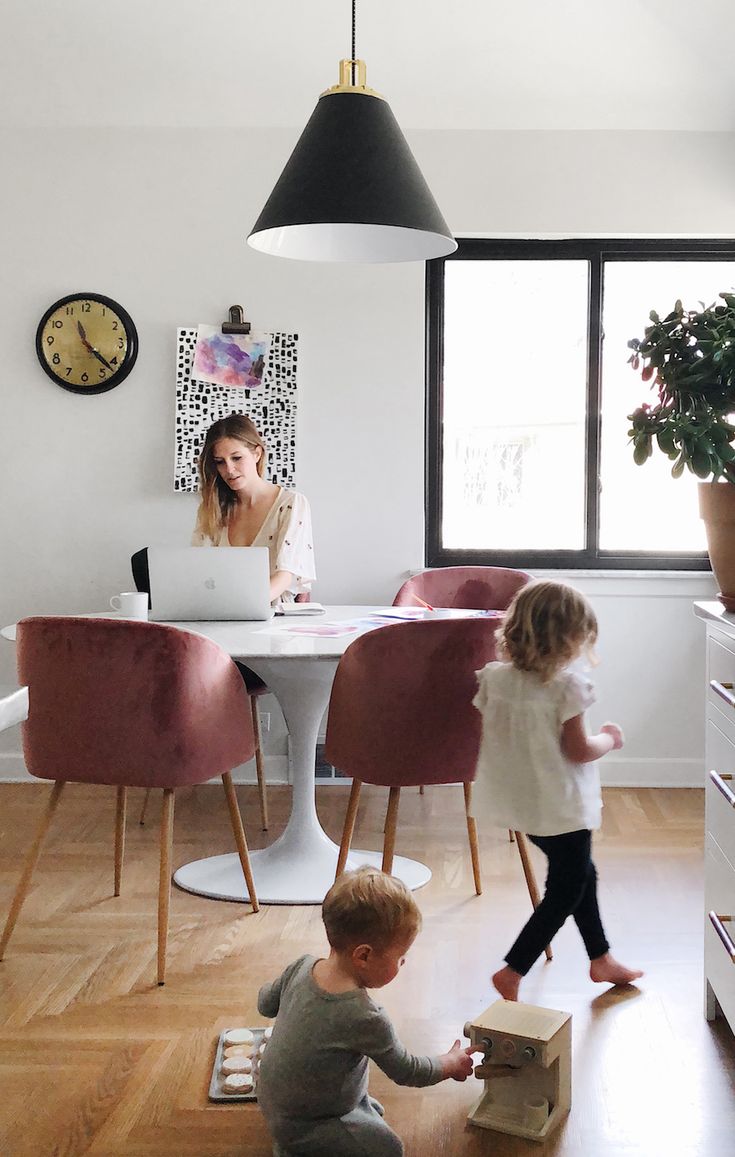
point(216, 499)
point(369, 907)
point(546, 626)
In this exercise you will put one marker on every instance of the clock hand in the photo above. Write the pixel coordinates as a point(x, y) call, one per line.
point(99, 357)
point(91, 348)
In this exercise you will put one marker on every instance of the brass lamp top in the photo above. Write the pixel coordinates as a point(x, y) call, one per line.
point(346, 83)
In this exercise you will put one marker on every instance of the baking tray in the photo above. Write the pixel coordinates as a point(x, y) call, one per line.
point(216, 1085)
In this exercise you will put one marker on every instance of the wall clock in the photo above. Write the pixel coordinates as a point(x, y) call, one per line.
point(87, 343)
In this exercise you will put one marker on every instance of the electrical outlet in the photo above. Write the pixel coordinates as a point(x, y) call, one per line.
point(265, 720)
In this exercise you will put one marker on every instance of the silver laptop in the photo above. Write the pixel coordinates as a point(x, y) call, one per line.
point(209, 582)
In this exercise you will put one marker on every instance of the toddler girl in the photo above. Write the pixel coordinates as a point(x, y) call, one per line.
point(536, 772)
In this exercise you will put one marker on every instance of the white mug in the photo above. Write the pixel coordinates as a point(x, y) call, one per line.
point(131, 605)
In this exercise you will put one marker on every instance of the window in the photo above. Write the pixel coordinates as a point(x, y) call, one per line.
point(528, 392)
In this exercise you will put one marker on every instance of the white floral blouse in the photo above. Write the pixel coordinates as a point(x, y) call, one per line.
point(286, 531)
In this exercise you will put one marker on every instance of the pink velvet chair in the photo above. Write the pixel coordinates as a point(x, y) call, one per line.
point(401, 714)
point(479, 588)
point(130, 704)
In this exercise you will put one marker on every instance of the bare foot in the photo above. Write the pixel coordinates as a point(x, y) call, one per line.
point(607, 969)
point(507, 982)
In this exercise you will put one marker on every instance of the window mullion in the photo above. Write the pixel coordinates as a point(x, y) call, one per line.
point(594, 385)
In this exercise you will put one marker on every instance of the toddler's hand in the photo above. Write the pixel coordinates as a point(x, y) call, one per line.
point(457, 1063)
point(615, 733)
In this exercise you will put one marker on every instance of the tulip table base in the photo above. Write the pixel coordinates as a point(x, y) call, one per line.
point(298, 867)
point(282, 877)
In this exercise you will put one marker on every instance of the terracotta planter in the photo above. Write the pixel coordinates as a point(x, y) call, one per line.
point(717, 509)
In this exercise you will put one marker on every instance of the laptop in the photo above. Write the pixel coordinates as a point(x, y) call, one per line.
point(195, 583)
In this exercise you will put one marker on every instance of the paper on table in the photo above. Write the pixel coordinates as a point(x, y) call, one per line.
point(332, 630)
point(401, 613)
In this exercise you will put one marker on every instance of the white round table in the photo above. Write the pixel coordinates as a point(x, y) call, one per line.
point(299, 866)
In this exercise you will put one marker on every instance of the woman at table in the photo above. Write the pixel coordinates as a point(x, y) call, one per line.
point(240, 507)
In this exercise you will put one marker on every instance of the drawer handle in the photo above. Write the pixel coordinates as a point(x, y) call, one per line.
point(717, 779)
point(724, 690)
point(718, 923)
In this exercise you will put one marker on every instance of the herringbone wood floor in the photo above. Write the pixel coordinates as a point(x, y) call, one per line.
point(96, 1059)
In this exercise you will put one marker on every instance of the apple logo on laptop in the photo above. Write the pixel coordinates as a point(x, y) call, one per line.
point(210, 584)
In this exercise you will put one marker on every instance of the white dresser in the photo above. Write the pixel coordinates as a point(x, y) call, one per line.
point(719, 848)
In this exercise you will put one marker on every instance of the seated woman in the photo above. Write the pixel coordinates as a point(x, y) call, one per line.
point(240, 507)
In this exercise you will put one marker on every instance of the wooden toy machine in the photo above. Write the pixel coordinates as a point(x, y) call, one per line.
point(527, 1068)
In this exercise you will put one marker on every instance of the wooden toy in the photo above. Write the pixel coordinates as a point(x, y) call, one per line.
point(527, 1068)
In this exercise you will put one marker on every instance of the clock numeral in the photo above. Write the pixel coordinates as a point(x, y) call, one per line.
point(68, 371)
point(121, 343)
point(50, 339)
point(70, 309)
point(56, 360)
point(86, 307)
point(113, 361)
point(114, 325)
point(85, 377)
point(102, 371)
point(58, 324)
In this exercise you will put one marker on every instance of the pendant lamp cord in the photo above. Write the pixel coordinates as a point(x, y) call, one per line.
point(354, 6)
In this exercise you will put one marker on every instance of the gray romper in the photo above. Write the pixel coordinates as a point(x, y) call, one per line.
point(314, 1072)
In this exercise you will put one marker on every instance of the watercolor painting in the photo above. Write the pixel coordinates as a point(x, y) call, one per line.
point(230, 359)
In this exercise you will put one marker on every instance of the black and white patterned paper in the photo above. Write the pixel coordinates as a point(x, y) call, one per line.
point(272, 407)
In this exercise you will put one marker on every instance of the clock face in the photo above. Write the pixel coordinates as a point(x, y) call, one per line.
point(87, 343)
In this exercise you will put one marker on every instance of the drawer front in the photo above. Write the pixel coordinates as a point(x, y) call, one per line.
point(721, 675)
point(719, 891)
point(720, 788)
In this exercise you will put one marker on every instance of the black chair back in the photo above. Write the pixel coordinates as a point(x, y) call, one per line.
point(141, 578)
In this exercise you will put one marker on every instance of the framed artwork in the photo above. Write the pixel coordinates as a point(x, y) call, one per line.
point(271, 404)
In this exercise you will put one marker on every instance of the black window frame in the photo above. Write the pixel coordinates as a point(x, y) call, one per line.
point(596, 252)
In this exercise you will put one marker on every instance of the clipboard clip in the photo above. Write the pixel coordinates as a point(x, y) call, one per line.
point(237, 323)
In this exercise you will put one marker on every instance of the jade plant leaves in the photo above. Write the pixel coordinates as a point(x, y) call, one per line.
point(688, 357)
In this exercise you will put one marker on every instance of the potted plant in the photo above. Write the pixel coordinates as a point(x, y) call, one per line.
point(689, 359)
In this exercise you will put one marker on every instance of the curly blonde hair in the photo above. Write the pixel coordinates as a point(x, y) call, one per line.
point(369, 907)
point(216, 499)
point(546, 626)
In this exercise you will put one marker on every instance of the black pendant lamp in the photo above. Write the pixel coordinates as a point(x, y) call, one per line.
point(351, 190)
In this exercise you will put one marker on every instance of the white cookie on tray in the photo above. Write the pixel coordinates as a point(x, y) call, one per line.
point(236, 1065)
point(238, 1051)
point(238, 1083)
point(238, 1036)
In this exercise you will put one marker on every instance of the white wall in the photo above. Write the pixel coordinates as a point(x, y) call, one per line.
point(157, 219)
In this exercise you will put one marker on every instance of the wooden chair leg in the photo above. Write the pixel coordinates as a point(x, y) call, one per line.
point(530, 875)
point(120, 816)
point(511, 836)
point(472, 834)
point(164, 878)
point(31, 860)
point(259, 764)
point(146, 797)
point(350, 818)
point(391, 820)
point(239, 833)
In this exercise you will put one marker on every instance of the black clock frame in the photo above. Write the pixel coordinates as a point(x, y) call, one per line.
point(131, 352)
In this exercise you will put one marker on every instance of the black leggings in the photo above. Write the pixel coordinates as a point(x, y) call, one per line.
point(571, 890)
